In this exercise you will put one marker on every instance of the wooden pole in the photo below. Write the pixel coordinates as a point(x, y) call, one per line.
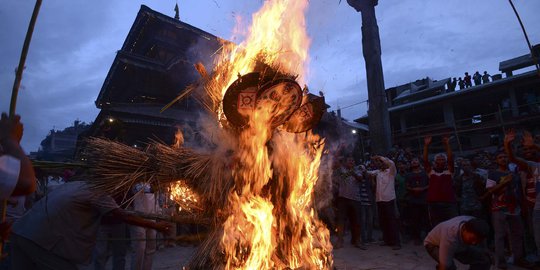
point(17, 84)
point(380, 132)
point(457, 137)
point(179, 219)
point(533, 55)
point(20, 68)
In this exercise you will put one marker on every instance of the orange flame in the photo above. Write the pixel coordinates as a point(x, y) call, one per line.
point(280, 230)
point(178, 138)
point(248, 238)
point(276, 37)
point(186, 199)
point(310, 240)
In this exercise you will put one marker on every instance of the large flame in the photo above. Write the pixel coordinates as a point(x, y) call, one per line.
point(277, 37)
point(273, 229)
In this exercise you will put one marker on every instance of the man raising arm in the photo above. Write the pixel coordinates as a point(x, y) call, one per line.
point(441, 196)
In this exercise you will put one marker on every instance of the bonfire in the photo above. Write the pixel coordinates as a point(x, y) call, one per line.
point(255, 183)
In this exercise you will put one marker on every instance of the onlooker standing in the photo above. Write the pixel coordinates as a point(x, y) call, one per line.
point(505, 213)
point(477, 78)
point(401, 193)
point(417, 184)
point(531, 186)
point(485, 77)
point(441, 196)
point(467, 80)
point(143, 242)
point(366, 207)
point(469, 187)
point(479, 167)
point(385, 196)
point(452, 85)
point(461, 83)
point(348, 202)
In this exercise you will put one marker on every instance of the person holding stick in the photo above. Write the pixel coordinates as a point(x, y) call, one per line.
point(60, 231)
point(16, 172)
point(10, 136)
point(17, 176)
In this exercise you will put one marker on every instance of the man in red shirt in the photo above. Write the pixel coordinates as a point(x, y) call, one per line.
point(441, 196)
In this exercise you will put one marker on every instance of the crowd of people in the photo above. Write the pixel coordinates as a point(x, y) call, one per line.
point(475, 209)
point(467, 80)
point(414, 198)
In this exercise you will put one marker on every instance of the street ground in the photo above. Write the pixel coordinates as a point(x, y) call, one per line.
point(347, 258)
point(376, 257)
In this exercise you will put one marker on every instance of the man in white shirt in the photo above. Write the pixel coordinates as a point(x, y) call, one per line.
point(385, 196)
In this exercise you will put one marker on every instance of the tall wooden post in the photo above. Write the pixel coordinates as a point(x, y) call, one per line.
point(15, 91)
point(379, 119)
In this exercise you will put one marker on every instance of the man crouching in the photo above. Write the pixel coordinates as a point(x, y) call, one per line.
point(459, 238)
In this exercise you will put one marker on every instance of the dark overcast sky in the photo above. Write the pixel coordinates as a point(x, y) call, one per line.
point(75, 42)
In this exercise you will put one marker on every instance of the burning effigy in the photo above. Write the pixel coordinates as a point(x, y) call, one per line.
point(255, 184)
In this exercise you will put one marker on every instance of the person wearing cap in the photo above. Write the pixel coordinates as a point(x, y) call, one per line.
point(459, 238)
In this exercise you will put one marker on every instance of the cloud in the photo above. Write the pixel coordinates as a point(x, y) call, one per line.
point(69, 56)
point(438, 39)
point(75, 42)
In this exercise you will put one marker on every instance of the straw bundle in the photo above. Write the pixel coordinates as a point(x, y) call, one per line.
point(114, 168)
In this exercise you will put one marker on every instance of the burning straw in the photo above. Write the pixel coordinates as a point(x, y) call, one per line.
point(261, 204)
point(114, 168)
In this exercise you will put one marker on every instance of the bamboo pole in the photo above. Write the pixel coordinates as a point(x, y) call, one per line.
point(533, 55)
point(457, 137)
point(17, 84)
point(179, 219)
point(24, 53)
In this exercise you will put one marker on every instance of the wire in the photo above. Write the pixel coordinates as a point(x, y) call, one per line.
point(358, 103)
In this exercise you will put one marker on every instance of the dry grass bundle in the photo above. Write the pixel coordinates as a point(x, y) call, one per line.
point(114, 168)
